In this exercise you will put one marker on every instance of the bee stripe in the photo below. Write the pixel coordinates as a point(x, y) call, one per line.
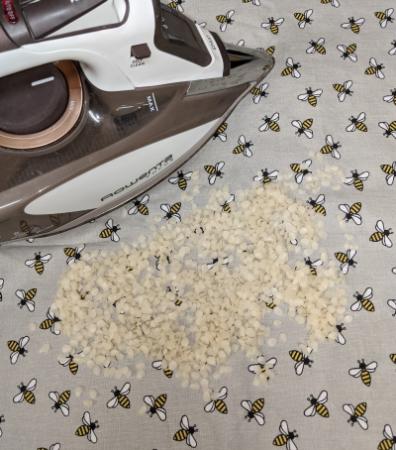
point(180, 435)
point(82, 430)
point(221, 406)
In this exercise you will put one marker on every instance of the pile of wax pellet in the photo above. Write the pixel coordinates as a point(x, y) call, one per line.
point(194, 293)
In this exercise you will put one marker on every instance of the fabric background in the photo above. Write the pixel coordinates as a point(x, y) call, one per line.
point(370, 336)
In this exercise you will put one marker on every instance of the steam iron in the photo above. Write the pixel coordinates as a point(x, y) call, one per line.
point(100, 100)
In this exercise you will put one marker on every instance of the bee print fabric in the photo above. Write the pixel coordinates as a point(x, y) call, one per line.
point(331, 93)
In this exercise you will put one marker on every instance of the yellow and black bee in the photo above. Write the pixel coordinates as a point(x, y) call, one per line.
point(254, 410)
point(186, 432)
point(391, 98)
point(357, 179)
point(225, 19)
point(218, 404)
point(389, 128)
point(270, 305)
point(351, 212)
point(60, 401)
point(343, 89)
point(291, 69)
point(375, 69)
point(26, 298)
point(50, 323)
point(301, 361)
point(317, 405)
point(73, 254)
point(171, 210)
point(331, 147)
point(181, 179)
point(303, 128)
point(364, 371)
point(286, 437)
point(348, 51)
point(272, 24)
point(304, 18)
point(88, 428)
point(301, 170)
point(70, 363)
point(214, 171)
point(266, 176)
point(26, 392)
point(110, 231)
point(385, 17)
point(356, 414)
point(262, 366)
point(38, 262)
point(390, 171)
point(334, 3)
point(270, 50)
point(156, 406)
point(177, 4)
point(392, 357)
point(140, 206)
point(346, 260)
point(313, 265)
point(311, 95)
point(259, 92)
point(244, 147)
point(270, 123)
point(357, 123)
point(317, 46)
point(353, 24)
point(120, 397)
point(226, 206)
point(221, 132)
point(158, 366)
point(363, 300)
point(18, 348)
point(389, 441)
point(382, 234)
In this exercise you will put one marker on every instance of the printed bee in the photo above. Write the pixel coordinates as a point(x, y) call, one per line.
point(363, 300)
point(304, 18)
point(382, 234)
point(156, 406)
point(343, 89)
point(50, 323)
point(259, 92)
point(317, 405)
point(392, 97)
point(254, 410)
point(340, 339)
point(390, 170)
point(18, 348)
point(301, 361)
point(291, 68)
point(334, 3)
point(88, 428)
point(26, 298)
point(38, 262)
point(392, 304)
point(313, 265)
point(357, 123)
point(301, 170)
point(357, 179)
point(270, 305)
point(390, 439)
point(303, 128)
point(364, 371)
point(346, 260)
point(244, 147)
point(266, 176)
point(317, 205)
point(110, 231)
point(226, 206)
point(356, 414)
point(171, 211)
point(120, 397)
point(270, 123)
point(158, 366)
point(286, 437)
point(253, 2)
point(140, 206)
point(70, 363)
point(26, 392)
point(60, 401)
point(272, 24)
point(317, 46)
point(186, 432)
point(73, 254)
point(351, 212)
point(225, 20)
point(218, 404)
point(392, 357)
point(215, 171)
point(348, 52)
point(56, 446)
point(1, 287)
point(311, 96)
point(262, 366)
point(353, 24)
point(392, 50)
point(270, 50)
point(181, 179)
point(177, 4)
point(331, 147)
point(389, 128)
point(221, 132)
point(375, 69)
point(385, 17)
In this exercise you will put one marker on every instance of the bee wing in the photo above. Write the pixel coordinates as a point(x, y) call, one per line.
point(210, 407)
point(355, 372)
point(356, 306)
point(361, 117)
point(31, 386)
point(351, 127)
point(372, 366)
point(353, 57)
point(86, 418)
point(346, 25)
point(275, 117)
point(125, 389)
point(1, 283)
point(296, 124)
point(317, 92)
point(271, 363)
point(310, 411)
point(46, 258)
point(255, 368)
point(373, 62)
point(157, 364)
point(92, 436)
point(284, 427)
point(184, 423)
point(165, 207)
point(391, 303)
point(340, 339)
point(302, 24)
point(351, 253)
point(230, 13)
point(388, 433)
point(348, 180)
point(303, 97)
point(14, 357)
point(348, 84)
point(349, 409)
point(368, 293)
point(341, 96)
point(109, 223)
point(191, 441)
point(115, 237)
point(335, 154)
point(279, 21)
point(113, 402)
point(56, 446)
point(54, 396)
point(273, 174)
point(307, 163)
point(265, 25)
point(161, 413)
point(384, 125)
point(18, 398)
point(310, 50)
point(388, 98)
point(362, 421)
point(30, 262)
point(344, 208)
point(264, 126)
point(299, 177)
point(289, 62)
point(20, 293)
point(223, 26)
point(308, 13)
point(242, 139)
point(387, 242)
point(259, 418)
point(133, 210)
point(246, 404)
point(317, 263)
point(149, 400)
point(296, 73)
point(357, 219)
point(290, 445)
point(360, 21)
point(308, 133)
point(323, 397)
point(173, 180)
point(30, 305)
point(64, 409)
point(299, 368)
point(24, 341)
point(379, 226)
point(223, 393)
point(329, 140)
point(341, 48)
